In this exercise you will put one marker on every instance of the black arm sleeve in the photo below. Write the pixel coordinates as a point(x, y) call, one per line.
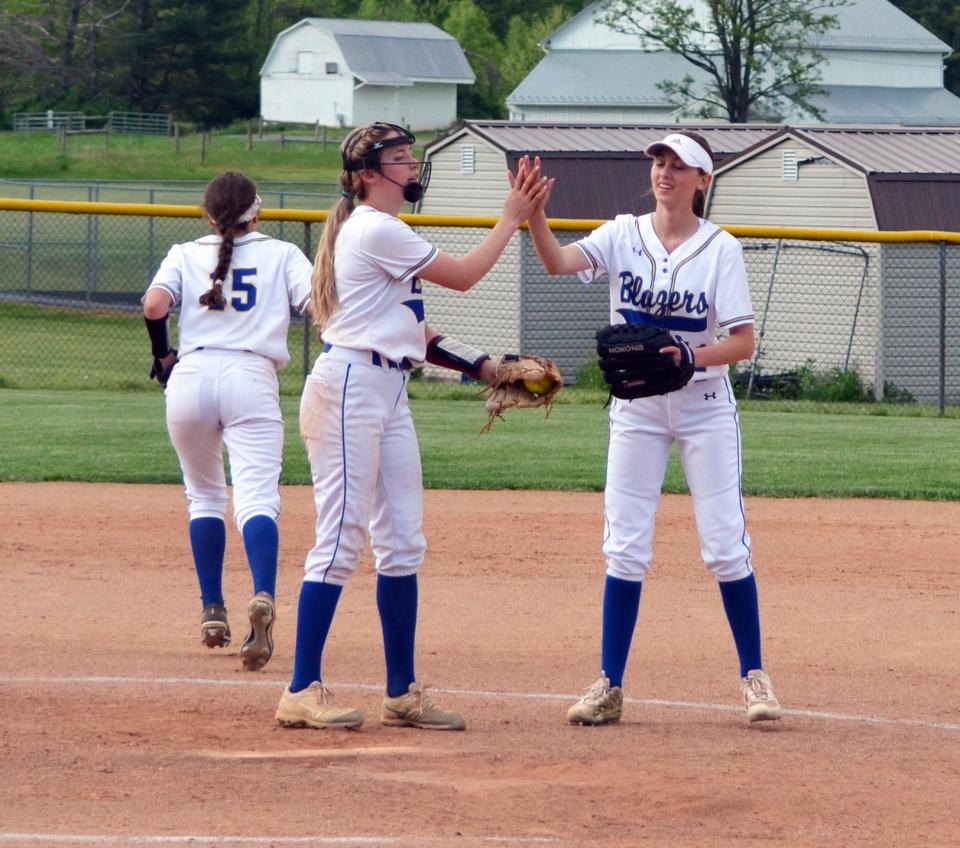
point(159, 336)
point(449, 353)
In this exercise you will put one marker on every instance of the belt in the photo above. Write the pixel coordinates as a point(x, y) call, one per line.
point(366, 357)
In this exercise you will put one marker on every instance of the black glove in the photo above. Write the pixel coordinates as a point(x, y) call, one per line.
point(632, 364)
point(161, 374)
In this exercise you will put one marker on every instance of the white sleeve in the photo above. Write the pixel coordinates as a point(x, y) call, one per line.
point(732, 295)
point(596, 247)
point(169, 276)
point(393, 246)
point(298, 271)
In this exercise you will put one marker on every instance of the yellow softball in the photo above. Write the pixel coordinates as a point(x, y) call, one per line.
point(538, 387)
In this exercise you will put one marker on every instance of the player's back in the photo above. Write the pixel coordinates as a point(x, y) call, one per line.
point(265, 278)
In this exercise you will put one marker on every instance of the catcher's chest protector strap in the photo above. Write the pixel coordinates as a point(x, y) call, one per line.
point(449, 353)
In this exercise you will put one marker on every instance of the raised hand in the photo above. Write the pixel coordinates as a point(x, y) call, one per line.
point(529, 191)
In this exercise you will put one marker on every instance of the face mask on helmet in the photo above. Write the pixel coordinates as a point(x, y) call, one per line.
point(370, 160)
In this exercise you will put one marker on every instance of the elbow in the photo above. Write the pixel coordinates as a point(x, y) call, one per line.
point(156, 304)
point(155, 311)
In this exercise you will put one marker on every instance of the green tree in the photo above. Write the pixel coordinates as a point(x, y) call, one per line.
point(388, 10)
point(522, 48)
point(468, 23)
point(52, 52)
point(192, 59)
point(754, 52)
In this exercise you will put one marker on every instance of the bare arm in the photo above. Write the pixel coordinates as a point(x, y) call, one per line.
point(737, 346)
point(461, 274)
point(156, 303)
point(556, 258)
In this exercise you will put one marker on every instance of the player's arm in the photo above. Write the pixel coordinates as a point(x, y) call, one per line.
point(446, 352)
point(462, 273)
point(556, 258)
point(156, 311)
point(737, 346)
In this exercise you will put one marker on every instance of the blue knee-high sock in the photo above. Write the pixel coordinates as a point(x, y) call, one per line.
point(743, 612)
point(262, 541)
point(318, 603)
point(397, 603)
point(621, 605)
point(208, 539)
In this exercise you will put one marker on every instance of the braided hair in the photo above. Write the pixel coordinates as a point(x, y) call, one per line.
point(353, 149)
point(226, 200)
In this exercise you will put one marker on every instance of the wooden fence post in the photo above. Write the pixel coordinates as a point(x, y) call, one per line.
point(203, 147)
point(249, 135)
point(62, 138)
point(176, 138)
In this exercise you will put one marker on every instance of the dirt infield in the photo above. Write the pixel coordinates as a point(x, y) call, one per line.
point(118, 728)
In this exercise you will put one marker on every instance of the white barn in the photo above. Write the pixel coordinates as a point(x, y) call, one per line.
point(339, 73)
point(879, 66)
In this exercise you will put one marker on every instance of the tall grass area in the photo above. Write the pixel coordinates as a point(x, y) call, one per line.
point(133, 157)
point(787, 451)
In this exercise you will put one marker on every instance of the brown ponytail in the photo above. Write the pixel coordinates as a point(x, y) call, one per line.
point(225, 201)
point(323, 295)
point(699, 197)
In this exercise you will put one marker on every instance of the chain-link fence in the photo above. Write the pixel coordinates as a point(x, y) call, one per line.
point(884, 310)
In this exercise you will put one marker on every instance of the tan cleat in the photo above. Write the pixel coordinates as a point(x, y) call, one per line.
point(214, 629)
point(600, 704)
point(313, 707)
point(762, 703)
point(257, 648)
point(415, 709)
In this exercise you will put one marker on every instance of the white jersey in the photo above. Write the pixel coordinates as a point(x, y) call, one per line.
point(693, 292)
point(266, 277)
point(380, 305)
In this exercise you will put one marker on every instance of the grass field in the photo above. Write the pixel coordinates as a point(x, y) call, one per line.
point(801, 450)
point(131, 157)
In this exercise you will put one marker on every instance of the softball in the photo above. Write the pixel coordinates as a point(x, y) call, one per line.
point(538, 387)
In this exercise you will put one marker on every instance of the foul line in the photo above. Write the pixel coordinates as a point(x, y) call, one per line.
point(481, 693)
point(147, 839)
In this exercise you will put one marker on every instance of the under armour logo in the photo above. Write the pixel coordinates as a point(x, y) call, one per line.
point(709, 395)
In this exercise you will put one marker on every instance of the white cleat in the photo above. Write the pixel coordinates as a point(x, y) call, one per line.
point(762, 703)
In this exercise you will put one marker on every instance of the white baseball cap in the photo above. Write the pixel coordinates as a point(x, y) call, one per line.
point(686, 148)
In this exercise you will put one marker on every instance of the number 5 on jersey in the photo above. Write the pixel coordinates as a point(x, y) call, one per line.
point(244, 293)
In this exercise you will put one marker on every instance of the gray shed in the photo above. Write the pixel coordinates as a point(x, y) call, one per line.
point(844, 296)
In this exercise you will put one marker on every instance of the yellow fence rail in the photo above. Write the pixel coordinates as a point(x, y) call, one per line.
point(165, 210)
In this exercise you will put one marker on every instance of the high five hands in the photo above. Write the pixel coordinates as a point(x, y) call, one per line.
point(529, 190)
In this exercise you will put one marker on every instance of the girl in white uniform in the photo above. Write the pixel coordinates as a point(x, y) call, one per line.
point(673, 269)
point(355, 420)
point(235, 291)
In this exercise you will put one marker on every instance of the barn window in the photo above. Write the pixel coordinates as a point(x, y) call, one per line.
point(789, 171)
point(468, 158)
point(332, 67)
point(304, 62)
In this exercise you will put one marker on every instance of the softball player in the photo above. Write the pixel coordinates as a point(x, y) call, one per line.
point(355, 420)
point(235, 290)
point(671, 268)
